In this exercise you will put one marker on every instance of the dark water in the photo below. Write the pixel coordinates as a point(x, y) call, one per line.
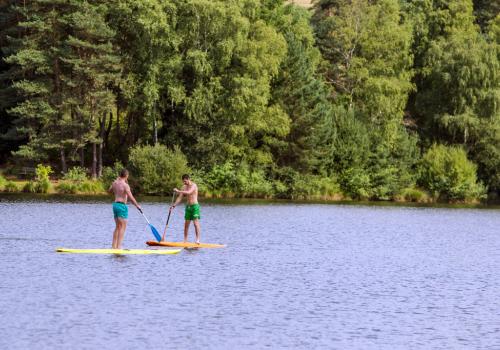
point(293, 276)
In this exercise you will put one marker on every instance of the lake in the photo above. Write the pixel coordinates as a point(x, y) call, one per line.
point(302, 276)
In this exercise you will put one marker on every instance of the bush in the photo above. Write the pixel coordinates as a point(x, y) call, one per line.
point(43, 172)
point(42, 181)
point(2, 182)
point(87, 187)
point(10, 187)
point(30, 187)
point(252, 183)
point(76, 181)
point(221, 180)
point(412, 195)
point(43, 186)
point(67, 188)
point(76, 173)
point(91, 186)
point(446, 172)
point(356, 183)
point(109, 174)
point(314, 187)
point(157, 169)
point(229, 180)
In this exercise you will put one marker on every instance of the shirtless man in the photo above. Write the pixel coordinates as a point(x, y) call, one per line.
point(121, 190)
point(192, 207)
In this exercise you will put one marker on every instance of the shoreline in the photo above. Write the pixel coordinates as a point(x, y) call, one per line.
point(103, 197)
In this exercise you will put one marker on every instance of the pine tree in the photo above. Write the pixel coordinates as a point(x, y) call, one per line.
point(299, 89)
point(94, 69)
point(36, 71)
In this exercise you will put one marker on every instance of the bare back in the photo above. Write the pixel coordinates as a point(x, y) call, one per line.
point(120, 189)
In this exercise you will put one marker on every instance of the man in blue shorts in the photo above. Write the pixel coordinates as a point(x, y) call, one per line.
point(121, 190)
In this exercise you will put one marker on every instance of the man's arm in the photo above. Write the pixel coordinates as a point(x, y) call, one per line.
point(178, 200)
point(132, 199)
point(188, 192)
point(110, 189)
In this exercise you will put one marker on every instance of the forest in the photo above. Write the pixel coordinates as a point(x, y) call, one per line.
point(347, 99)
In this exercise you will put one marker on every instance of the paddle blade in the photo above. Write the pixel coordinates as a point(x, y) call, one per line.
point(155, 232)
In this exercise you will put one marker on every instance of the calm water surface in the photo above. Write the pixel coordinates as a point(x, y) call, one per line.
point(304, 276)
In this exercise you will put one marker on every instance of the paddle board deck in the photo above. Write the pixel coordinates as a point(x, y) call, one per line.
point(185, 245)
point(119, 251)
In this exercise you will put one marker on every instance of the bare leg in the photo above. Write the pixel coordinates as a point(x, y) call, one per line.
point(115, 234)
point(197, 230)
point(123, 227)
point(186, 230)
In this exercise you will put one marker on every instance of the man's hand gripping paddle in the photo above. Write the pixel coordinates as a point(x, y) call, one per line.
point(168, 218)
point(153, 229)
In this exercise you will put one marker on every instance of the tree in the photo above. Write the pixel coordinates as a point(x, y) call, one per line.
point(368, 52)
point(367, 48)
point(217, 102)
point(299, 88)
point(8, 98)
point(36, 72)
point(457, 97)
point(485, 11)
point(94, 69)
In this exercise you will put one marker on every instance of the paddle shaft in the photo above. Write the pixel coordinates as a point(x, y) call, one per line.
point(153, 229)
point(168, 217)
point(144, 216)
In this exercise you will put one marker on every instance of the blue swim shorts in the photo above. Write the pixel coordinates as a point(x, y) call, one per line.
point(120, 210)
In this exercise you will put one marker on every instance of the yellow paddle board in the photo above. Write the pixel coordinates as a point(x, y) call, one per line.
point(118, 251)
point(185, 245)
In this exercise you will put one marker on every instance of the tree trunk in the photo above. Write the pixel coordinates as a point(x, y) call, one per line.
point(155, 128)
point(99, 160)
point(118, 134)
point(108, 129)
point(82, 157)
point(94, 160)
point(102, 130)
point(130, 117)
point(155, 131)
point(64, 167)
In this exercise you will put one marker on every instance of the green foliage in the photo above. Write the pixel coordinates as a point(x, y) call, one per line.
point(75, 181)
point(80, 187)
point(3, 181)
point(77, 174)
point(446, 172)
point(157, 169)
point(10, 187)
point(367, 47)
point(67, 188)
point(299, 88)
point(109, 174)
point(91, 186)
point(315, 187)
point(263, 98)
point(30, 187)
point(485, 11)
point(413, 195)
point(41, 184)
point(229, 180)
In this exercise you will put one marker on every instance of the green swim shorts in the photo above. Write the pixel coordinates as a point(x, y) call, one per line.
point(120, 210)
point(192, 212)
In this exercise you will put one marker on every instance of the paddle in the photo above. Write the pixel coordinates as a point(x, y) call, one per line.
point(168, 218)
point(153, 229)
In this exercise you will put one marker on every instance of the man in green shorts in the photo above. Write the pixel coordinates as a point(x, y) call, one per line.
point(121, 190)
point(192, 207)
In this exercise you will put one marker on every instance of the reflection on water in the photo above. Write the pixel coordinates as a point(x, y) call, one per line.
point(293, 276)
